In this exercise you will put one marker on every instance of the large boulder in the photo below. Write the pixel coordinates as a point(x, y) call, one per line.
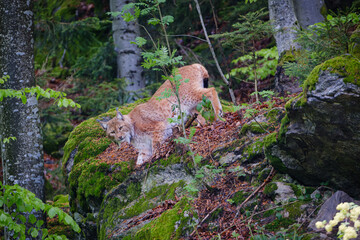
point(320, 135)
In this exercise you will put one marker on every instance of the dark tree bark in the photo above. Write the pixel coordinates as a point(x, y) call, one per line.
point(128, 55)
point(22, 159)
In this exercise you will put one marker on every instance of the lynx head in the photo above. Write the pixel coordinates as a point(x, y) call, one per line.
point(118, 128)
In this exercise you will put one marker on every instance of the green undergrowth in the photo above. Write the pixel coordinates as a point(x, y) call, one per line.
point(170, 225)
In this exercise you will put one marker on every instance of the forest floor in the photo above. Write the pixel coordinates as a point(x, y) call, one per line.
point(218, 216)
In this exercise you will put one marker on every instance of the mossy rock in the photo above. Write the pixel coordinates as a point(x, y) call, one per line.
point(270, 189)
point(345, 66)
point(254, 127)
point(137, 195)
point(172, 224)
point(90, 178)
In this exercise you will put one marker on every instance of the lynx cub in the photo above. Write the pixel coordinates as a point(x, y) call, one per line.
point(146, 125)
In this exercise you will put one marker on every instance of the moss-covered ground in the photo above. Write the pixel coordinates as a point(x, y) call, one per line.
point(170, 225)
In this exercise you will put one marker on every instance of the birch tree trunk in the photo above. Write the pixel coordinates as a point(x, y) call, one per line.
point(128, 55)
point(22, 159)
point(284, 15)
point(283, 18)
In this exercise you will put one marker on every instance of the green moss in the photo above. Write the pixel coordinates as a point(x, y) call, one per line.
point(254, 150)
point(143, 203)
point(354, 46)
point(270, 140)
point(254, 127)
point(294, 209)
point(345, 66)
point(89, 180)
point(297, 190)
point(272, 115)
point(227, 106)
point(283, 127)
point(287, 56)
point(172, 159)
point(239, 197)
point(279, 223)
point(170, 225)
point(61, 201)
point(161, 193)
point(270, 189)
point(89, 137)
point(263, 174)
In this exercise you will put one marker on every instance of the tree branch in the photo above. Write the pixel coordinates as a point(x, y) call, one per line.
point(213, 54)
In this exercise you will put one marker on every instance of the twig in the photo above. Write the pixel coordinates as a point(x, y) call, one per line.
point(186, 35)
point(213, 54)
point(190, 121)
point(204, 219)
point(254, 192)
point(259, 123)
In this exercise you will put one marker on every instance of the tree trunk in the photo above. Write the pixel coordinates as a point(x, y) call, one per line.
point(128, 55)
point(285, 15)
point(23, 162)
point(282, 15)
point(308, 12)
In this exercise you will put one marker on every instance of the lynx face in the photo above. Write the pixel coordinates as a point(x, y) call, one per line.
point(117, 128)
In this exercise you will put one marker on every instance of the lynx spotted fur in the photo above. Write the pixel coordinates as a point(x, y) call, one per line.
point(147, 125)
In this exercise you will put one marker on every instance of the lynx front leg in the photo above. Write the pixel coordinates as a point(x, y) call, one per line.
point(145, 151)
point(212, 95)
point(143, 157)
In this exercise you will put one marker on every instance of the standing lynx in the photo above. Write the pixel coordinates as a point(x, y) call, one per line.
point(147, 125)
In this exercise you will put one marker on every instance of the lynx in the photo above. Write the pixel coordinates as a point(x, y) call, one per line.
point(147, 125)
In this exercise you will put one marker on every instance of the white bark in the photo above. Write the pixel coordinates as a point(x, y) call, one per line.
point(286, 14)
point(128, 55)
point(282, 16)
point(22, 159)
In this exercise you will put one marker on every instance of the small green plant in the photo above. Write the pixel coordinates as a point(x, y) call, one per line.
point(250, 28)
point(266, 60)
point(206, 109)
point(21, 201)
point(348, 217)
point(323, 41)
point(59, 97)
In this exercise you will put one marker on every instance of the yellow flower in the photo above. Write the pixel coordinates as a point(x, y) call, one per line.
point(343, 206)
point(342, 227)
point(339, 217)
point(328, 228)
point(349, 233)
point(333, 222)
point(319, 225)
point(357, 224)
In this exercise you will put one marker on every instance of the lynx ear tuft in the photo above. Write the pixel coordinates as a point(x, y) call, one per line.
point(104, 125)
point(119, 115)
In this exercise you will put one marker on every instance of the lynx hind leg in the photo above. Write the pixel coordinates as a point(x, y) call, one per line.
point(212, 95)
